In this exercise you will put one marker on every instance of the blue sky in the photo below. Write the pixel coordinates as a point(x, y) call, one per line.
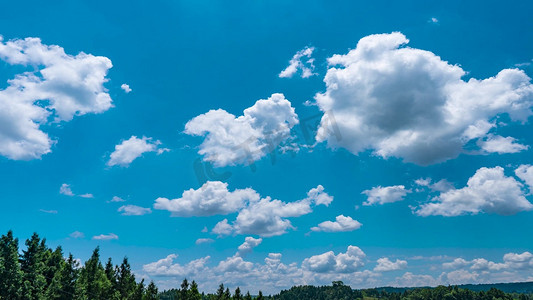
point(383, 143)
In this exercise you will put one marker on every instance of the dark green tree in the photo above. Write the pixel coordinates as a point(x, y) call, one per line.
point(151, 292)
point(194, 294)
point(10, 273)
point(126, 284)
point(184, 290)
point(33, 265)
point(93, 280)
point(220, 292)
point(260, 296)
point(237, 295)
point(248, 296)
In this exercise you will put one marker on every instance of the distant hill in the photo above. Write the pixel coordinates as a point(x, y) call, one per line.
point(512, 287)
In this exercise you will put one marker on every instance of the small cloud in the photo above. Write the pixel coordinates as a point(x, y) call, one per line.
point(87, 195)
point(434, 20)
point(134, 210)
point(296, 64)
point(48, 211)
point(204, 241)
point(105, 237)
point(77, 235)
point(249, 244)
point(126, 88)
point(205, 229)
point(65, 190)
point(128, 150)
point(116, 199)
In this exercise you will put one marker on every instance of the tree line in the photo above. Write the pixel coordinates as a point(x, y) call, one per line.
point(41, 273)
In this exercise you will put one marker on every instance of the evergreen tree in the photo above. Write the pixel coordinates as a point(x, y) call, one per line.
point(126, 284)
point(52, 273)
point(184, 290)
point(10, 273)
point(227, 294)
point(220, 292)
point(93, 280)
point(260, 296)
point(139, 291)
point(33, 266)
point(151, 292)
point(237, 295)
point(194, 294)
point(248, 296)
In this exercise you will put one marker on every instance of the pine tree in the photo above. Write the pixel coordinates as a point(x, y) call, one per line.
point(32, 264)
point(194, 294)
point(220, 292)
point(237, 295)
point(151, 292)
point(139, 291)
point(10, 273)
point(52, 273)
point(260, 296)
point(93, 280)
point(184, 290)
point(126, 284)
point(248, 296)
point(227, 294)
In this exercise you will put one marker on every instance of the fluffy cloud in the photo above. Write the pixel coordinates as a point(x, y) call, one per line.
point(213, 198)
point(134, 210)
point(409, 103)
point(500, 144)
point(249, 244)
point(341, 223)
point(56, 87)
point(204, 241)
point(525, 172)
point(388, 194)
point(66, 190)
point(489, 190)
point(166, 267)
point(116, 199)
point(231, 140)
point(511, 262)
point(296, 64)
point(347, 262)
point(267, 217)
point(130, 149)
point(105, 237)
point(385, 265)
point(77, 235)
point(126, 88)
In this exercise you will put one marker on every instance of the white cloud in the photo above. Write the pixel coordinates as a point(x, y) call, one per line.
point(231, 140)
point(434, 20)
point(388, 194)
point(234, 264)
point(128, 150)
point(456, 263)
point(87, 195)
point(489, 190)
point(204, 241)
point(442, 185)
point(165, 267)
point(126, 88)
point(511, 262)
point(116, 199)
point(249, 244)
point(55, 88)
point(66, 190)
point(386, 265)
point(106, 237)
point(409, 103)
point(54, 212)
point(77, 235)
point(409, 279)
point(267, 217)
point(525, 172)
point(213, 198)
point(499, 144)
point(341, 223)
point(348, 262)
point(306, 67)
point(134, 210)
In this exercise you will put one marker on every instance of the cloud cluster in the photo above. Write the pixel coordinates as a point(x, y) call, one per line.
point(306, 67)
point(213, 198)
point(134, 210)
point(66, 190)
point(230, 140)
point(388, 194)
point(268, 217)
point(55, 87)
point(249, 244)
point(128, 150)
point(386, 265)
point(348, 262)
point(409, 103)
point(341, 223)
point(488, 190)
point(105, 237)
